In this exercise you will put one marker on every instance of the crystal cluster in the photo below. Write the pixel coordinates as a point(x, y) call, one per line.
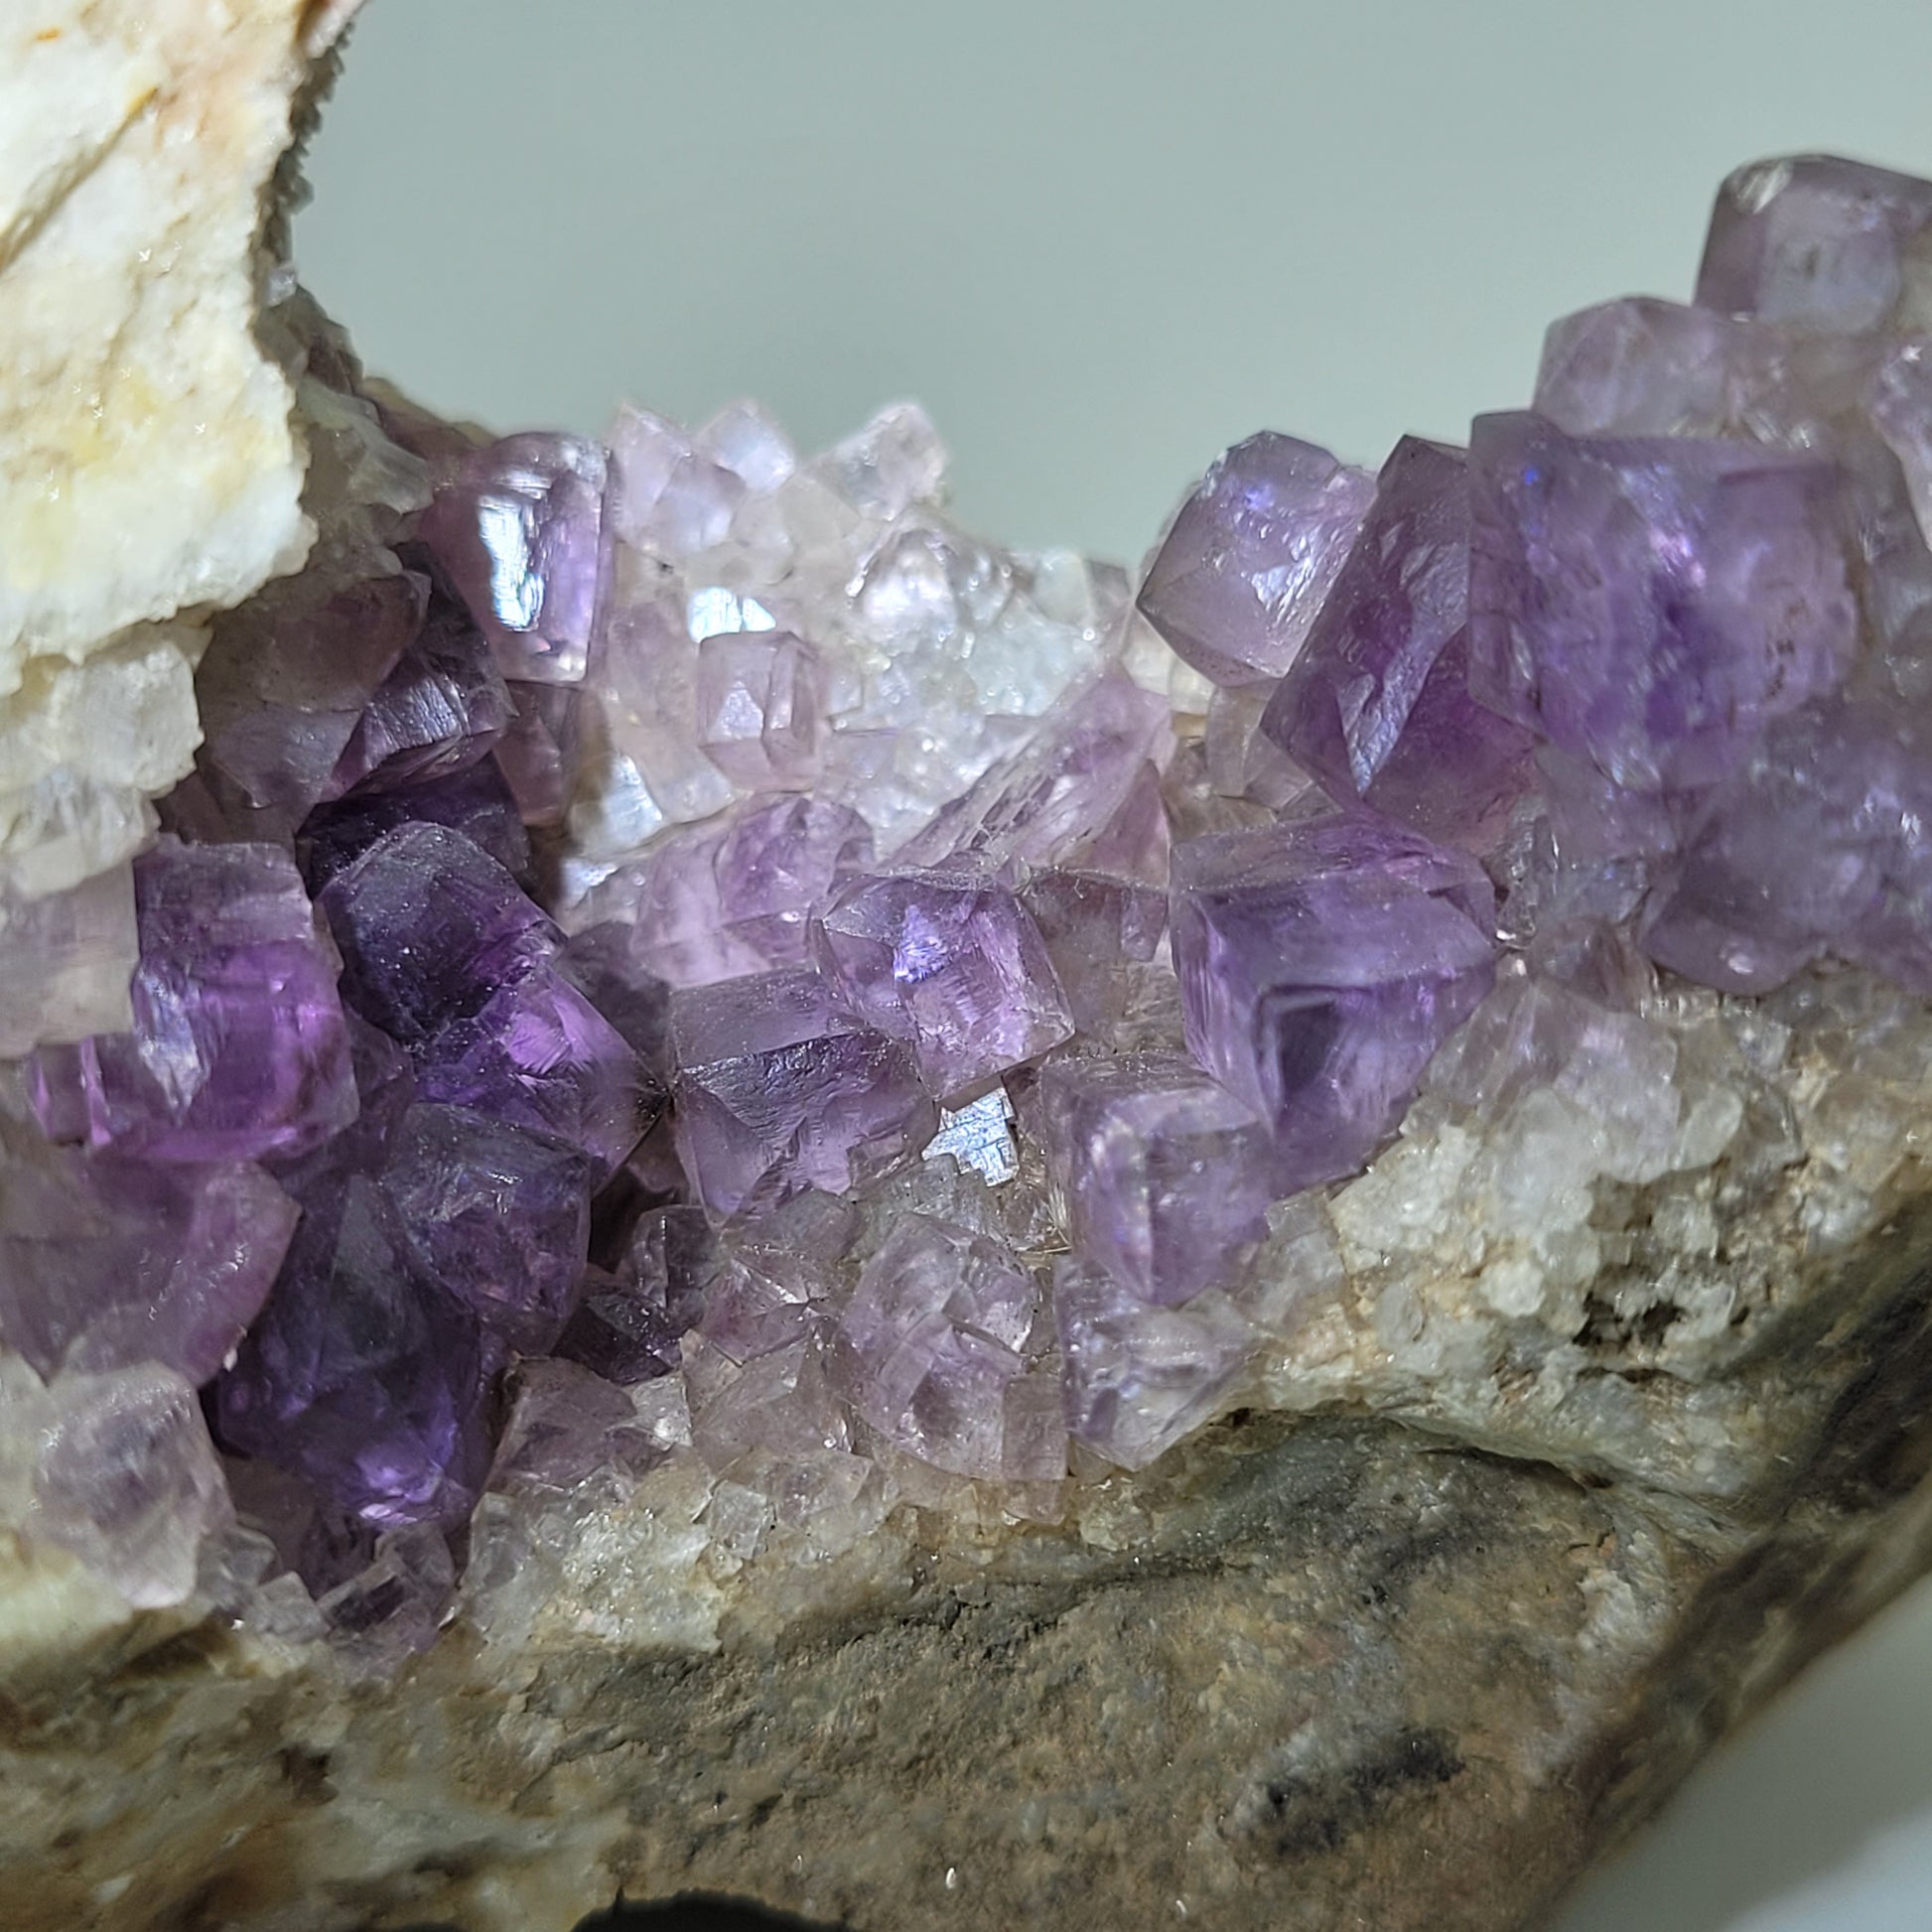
point(675, 960)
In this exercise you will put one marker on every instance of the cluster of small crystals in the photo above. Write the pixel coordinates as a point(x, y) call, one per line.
point(676, 963)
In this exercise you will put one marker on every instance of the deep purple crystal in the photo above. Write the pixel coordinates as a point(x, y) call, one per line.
point(496, 1214)
point(441, 709)
point(430, 926)
point(360, 1376)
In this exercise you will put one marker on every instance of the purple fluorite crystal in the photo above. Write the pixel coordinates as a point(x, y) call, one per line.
point(444, 952)
point(1826, 245)
point(780, 1088)
point(239, 1048)
point(1377, 706)
point(1252, 554)
point(931, 1347)
point(519, 530)
point(441, 709)
point(1320, 966)
point(107, 1262)
point(736, 894)
point(362, 1376)
point(867, 842)
point(760, 697)
point(1162, 1175)
point(1138, 1379)
point(498, 1215)
point(1647, 605)
point(952, 964)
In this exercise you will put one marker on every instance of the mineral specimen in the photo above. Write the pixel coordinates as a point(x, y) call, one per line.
point(813, 1132)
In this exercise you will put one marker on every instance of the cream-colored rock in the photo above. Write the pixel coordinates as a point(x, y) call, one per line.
point(148, 471)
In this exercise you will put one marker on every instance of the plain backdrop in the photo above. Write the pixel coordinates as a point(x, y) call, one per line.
point(1100, 239)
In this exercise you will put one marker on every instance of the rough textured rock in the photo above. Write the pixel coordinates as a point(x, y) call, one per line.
point(1295, 1676)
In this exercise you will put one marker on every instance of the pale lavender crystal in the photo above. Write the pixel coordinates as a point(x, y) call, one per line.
point(1162, 1175)
point(778, 862)
point(1097, 931)
point(780, 1088)
point(70, 956)
point(1648, 605)
point(894, 462)
point(930, 1346)
point(105, 1262)
point(667, 495)
point(1252, 554)
point(1087, 782)
point(500, 1215)
point(1823, 244)
point(441, 709)
point(239, 1048)
point(1377, 706)
point(126, 1478)
point(1813, 849)
point(1640, 366)
point(1136, 1380)
point(392, 1608)
point(761, 699)
point(952, 964)
point(780, 1404)
point(1322, 964)
point(519, 531)
point(360, 1376)
point(736, 894)
point(567, 1424)
point(774, 1282)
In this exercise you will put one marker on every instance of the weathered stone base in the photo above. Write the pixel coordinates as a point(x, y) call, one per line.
point(1343, 1676)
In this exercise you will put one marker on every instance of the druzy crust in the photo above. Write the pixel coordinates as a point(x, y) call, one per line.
point(678, 968)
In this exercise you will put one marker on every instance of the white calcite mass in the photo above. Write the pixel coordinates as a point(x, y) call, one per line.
point(148, 470)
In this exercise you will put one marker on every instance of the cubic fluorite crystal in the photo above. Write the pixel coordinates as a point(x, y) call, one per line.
point(1252, 557)
point(239, 1048)
point(952, 964)
point(1322, 964)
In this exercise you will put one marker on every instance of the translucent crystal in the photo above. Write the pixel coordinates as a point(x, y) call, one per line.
point(1163, 1176)
point(779, 1088)
point(1252, 556)
point(950, 964)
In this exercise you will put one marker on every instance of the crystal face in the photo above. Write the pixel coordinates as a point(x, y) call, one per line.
point(677, 964)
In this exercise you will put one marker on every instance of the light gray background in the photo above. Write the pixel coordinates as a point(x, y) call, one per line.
point(1100, 239)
